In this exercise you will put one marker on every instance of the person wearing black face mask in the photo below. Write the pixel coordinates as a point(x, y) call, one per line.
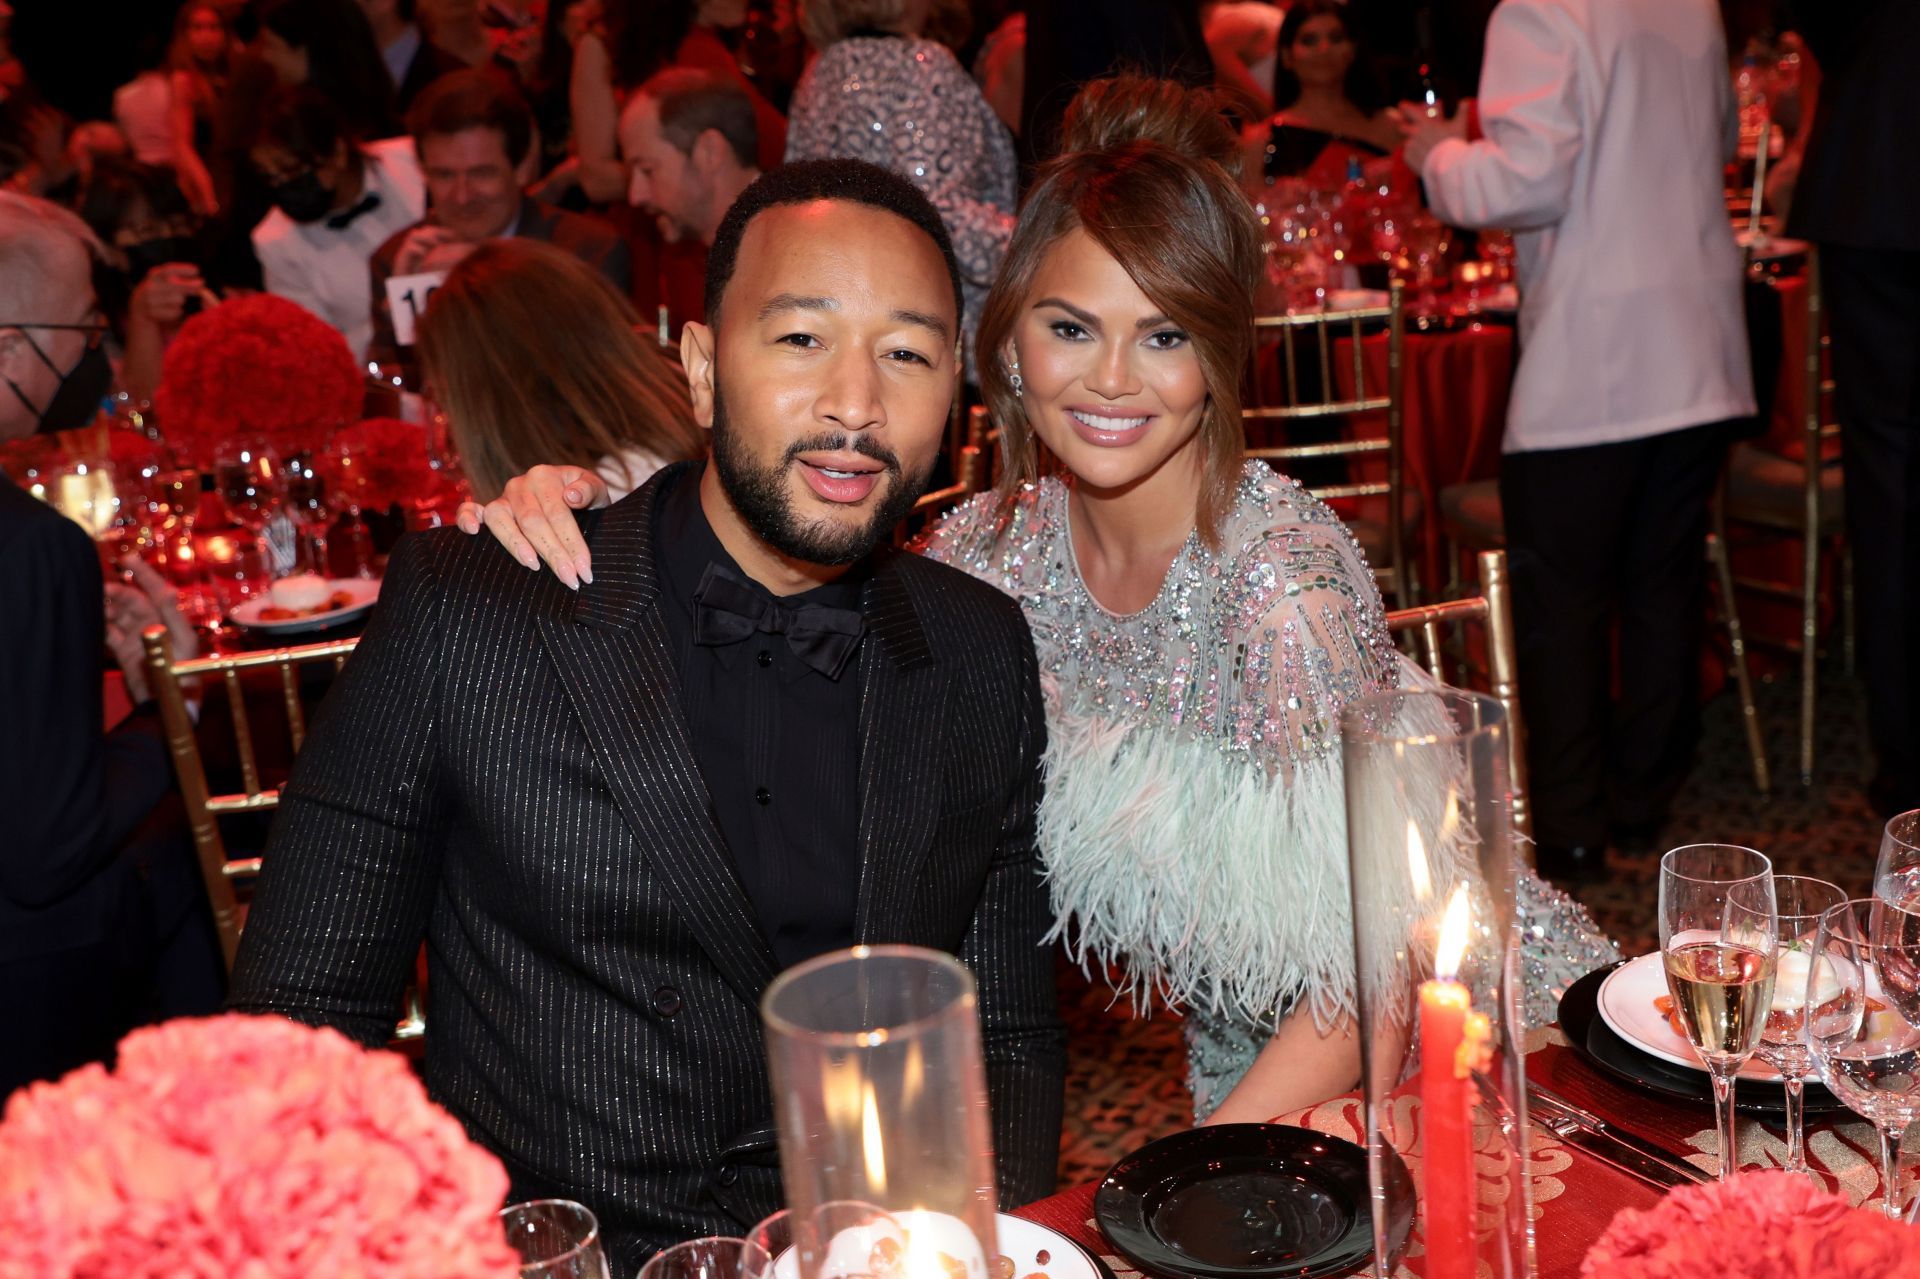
point(103, 921)
point(336, 199)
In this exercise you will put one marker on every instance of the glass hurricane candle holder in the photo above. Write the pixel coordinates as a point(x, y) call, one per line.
point(1429, 831)
point(880, 1098)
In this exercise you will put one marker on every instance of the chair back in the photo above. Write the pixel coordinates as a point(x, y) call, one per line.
point(1319, 332)
point(1492, 609)
point(969, 465)
point(168, 676)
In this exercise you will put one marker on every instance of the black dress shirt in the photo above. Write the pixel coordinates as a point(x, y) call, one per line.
point(776, 741)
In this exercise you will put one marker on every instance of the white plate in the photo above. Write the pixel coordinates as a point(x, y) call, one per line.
point(364, 591)
point(1626, 1005)
point(1020, 1239)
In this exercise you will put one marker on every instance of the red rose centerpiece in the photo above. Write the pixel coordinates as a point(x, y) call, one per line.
point(1758, 1225)
point(245, 1146)
point(256, 368)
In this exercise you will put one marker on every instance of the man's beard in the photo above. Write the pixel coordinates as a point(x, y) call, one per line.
point(760, 494)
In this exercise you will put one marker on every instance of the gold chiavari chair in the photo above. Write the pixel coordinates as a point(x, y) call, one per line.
point(168, 677)
point(1384, 541)
point(1493, 610)
point(970, 468)
point(1803, 499)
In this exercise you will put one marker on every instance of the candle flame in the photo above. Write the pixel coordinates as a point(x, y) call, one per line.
point(875, 1147)
point(1417, 862)
point(1453, 937)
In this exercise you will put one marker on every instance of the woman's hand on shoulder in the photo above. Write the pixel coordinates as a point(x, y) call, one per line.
point(533, 519)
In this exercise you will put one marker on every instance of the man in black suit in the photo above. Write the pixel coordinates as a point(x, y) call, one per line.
point(474, 135)
point(1856, 198)
point(616, 807)
point(413, 60)
point(103, 921)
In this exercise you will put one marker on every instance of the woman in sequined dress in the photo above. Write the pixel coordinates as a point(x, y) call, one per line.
point(1200, 620)
point(880, 93)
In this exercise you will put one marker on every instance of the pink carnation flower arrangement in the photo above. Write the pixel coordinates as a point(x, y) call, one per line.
point(1760, 1225)
point(246, 1147)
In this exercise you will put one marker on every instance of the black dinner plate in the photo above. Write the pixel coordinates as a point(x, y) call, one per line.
point(1598, 1043)
point(1247, 1201)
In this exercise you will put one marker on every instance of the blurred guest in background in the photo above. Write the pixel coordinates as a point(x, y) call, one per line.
point(474, 136)
point(413, 61)
point(103, 920)
point(642, 37)
point(143, 109)
point(690, 139)
point(328, 46)
point(201, 74)
point(1243, 38)
point(1857, 197)
point(1329, 105)
point(880, 93)
point(536, 358)
point(1608, 124)
point(336, 201)
point(551, 84)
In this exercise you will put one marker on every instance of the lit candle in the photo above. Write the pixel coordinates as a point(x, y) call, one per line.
point(1453, 1040)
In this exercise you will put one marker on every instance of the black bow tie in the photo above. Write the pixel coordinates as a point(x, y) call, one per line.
point(727, 609)
point(346, 217)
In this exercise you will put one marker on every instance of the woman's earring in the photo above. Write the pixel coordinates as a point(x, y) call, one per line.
point(1016, 379)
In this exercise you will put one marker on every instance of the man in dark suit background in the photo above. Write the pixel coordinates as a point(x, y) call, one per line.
point(474, 135)
point(1856, 198)
point(103, 921)
point(616, 804)
point(413, 60)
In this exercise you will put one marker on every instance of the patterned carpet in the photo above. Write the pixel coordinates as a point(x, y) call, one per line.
point(1126, 1077)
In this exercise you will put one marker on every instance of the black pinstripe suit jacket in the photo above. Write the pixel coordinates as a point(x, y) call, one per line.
point(504, 769)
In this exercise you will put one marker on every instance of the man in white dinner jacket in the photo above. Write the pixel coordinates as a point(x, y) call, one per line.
point(1604, 128)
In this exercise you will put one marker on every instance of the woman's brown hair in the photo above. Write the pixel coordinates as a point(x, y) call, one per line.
point(1146, 172)
point(535, 358)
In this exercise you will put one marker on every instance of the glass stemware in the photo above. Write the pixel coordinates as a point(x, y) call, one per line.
point(1861, 1024)
point(556, 1239)
point(860, 1240)
point(1896, 876)
point(1801, 902)
point(1719, 933)
point(715, 1257)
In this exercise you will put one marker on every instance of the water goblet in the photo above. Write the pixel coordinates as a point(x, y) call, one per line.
point(1800, 903)
point(1862, 1037)
point(1896, 876)
point(556, 1239)
point(1719, 933)
point(715, 1257)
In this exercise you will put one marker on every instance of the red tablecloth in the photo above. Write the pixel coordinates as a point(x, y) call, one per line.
point(1453, 414)
point(1575, 1195)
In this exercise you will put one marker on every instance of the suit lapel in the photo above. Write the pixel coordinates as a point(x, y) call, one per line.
point(902, 703)
point(618, 668)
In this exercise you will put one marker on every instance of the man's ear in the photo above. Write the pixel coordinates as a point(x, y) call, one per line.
point(696, 356)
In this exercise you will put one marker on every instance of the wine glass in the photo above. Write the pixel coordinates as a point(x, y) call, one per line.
point(858, 1238)
point(1896, 876)
point(556, 1239)
point(1861, 1026)
point(715, 1257)
point(248, 482)
point(1801, 901)
point(1718, 937)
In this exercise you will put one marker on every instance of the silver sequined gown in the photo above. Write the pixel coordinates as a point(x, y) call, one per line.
point(1194, 822)
point(905, 104)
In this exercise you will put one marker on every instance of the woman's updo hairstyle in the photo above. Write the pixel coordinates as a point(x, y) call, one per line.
point(1147, 173)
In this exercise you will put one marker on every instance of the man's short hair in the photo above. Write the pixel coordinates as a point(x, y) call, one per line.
point(691, 101)
point(805, 181)
point(462, 100)
point(308, 123)
point(34, 235)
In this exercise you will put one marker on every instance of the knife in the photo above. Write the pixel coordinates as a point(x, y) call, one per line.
point(1589, 1132)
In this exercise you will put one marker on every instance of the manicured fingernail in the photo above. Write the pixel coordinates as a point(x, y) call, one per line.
point(529, 559)
point(567, 575)
point(585, 570)
point(572, 496)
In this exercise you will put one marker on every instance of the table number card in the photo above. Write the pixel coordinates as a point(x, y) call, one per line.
point(407, 298)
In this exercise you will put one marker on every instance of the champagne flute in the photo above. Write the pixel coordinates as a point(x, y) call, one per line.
point(1801, 902)
point(1718, 937)
point(1863, 1039)
point(556, 1239)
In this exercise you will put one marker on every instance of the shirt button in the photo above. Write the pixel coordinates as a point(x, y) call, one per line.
point(727, 1174)
point(764, 658)
point(666, 1001)
point(762, 796)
